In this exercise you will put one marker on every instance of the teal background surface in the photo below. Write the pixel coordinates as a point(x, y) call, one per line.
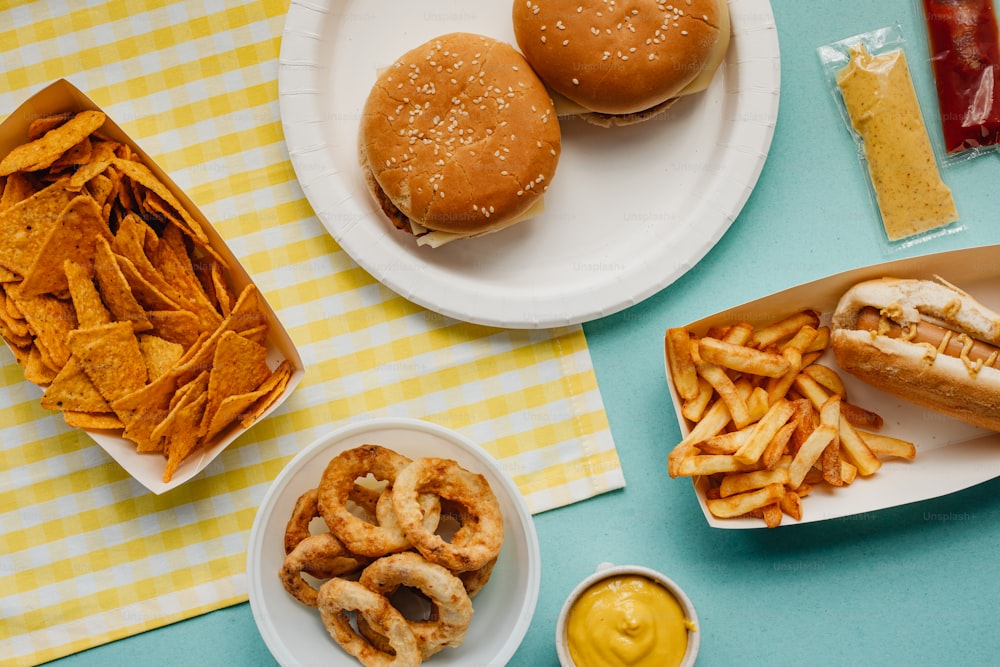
point(913, 585)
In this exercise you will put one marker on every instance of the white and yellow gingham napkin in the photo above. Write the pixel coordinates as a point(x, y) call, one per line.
point(88, 555)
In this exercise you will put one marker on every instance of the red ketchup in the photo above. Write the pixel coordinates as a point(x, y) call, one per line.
point(966, 61)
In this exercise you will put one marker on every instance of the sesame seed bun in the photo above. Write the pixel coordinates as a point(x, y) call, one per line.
point(459, 136)
point(623, 58)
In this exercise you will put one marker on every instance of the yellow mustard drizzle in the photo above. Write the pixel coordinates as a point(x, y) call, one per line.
point(627, 621)
point(930, 352)
point(971, 365)
point(945, 340)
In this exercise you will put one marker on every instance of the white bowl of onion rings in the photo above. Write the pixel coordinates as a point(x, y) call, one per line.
point(295, 634)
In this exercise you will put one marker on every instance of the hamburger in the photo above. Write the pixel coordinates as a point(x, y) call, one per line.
point(458, 138)
point(617, 63)
point(925, 341)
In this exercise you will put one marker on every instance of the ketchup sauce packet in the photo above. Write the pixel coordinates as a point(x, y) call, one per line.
point(965, 59)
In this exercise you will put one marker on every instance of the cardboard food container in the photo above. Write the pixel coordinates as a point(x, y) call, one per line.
point(148, 468)
point(951, 455)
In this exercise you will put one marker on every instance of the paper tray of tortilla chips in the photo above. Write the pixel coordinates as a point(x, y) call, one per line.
point(120, 300)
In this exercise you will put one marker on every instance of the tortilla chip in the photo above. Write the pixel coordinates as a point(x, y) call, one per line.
point(36, 370)
point(182, 438)
point(100, 187)
point(238, 367)
point(90, 310)
point(110, 356)
point(173, 262)
point(270, 391)
point(72, 238)
point(50, 320)
point(13, 318)
point(140, 173)
point(72, 389)
point(160, 354)
point(145, 293)
point(25, 226)
point(92, 421)
point(17, 188)
point(45, 150)
point(177, 326)
point(116, 293)
point(141, 410)
point(43, 124)
point(75, 156)
point(188, 390)
point(101, 156)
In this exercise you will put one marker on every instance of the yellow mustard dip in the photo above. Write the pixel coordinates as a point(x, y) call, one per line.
point(882, 104)
point(627, 621)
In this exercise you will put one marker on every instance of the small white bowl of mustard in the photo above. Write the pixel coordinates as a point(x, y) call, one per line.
point(627, 616)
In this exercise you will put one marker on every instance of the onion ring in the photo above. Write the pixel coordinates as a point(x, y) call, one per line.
point(474, 580)
point(452, 609)
point(322, 556)
point(337, 597)
point(430, 506)
point(359, 536)
point(364, 499)
point(480, 536)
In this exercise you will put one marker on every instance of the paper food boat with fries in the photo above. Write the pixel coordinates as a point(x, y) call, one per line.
point(122, 302)
point(950, 455)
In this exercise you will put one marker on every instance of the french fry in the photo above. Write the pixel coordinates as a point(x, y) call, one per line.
point(749, 481)
point(771, 514)
point(820, 342)
point(739, 333)
point(885, 446)
point(725, 443)
point(829, 463)
point(726, 388)
point(771, 334)
point(808, 454)
point(741, 358)
point(811, 389)
point(776, 417)
point(757, 403)
point(857, 452)
point(827, 378)
point(693, 409)
point(743, 503)
point(806, 419)
point(791, 504)
point(792, 352)
point(774, 450)
point(859, 416)
point(682, 371)
point(710, 464)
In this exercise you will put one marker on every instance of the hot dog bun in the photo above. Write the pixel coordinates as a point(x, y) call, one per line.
point(620, 63)
point(458, 136)
point(899, 357)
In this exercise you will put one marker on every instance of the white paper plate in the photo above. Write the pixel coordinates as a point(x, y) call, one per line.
point(951, 455)
point(502, 609)
point(628, 212)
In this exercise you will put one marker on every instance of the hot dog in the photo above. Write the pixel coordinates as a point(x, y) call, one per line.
point(925, 341)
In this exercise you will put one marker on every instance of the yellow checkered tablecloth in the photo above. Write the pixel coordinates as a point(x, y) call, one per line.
point(88, 555)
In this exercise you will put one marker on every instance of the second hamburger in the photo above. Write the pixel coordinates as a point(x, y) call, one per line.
point(617, 63)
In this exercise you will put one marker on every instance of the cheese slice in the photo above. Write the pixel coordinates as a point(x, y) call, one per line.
point(436, 239)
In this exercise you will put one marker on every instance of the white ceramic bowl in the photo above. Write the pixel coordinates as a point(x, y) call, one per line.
point(503, 609)
point(607, 570)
